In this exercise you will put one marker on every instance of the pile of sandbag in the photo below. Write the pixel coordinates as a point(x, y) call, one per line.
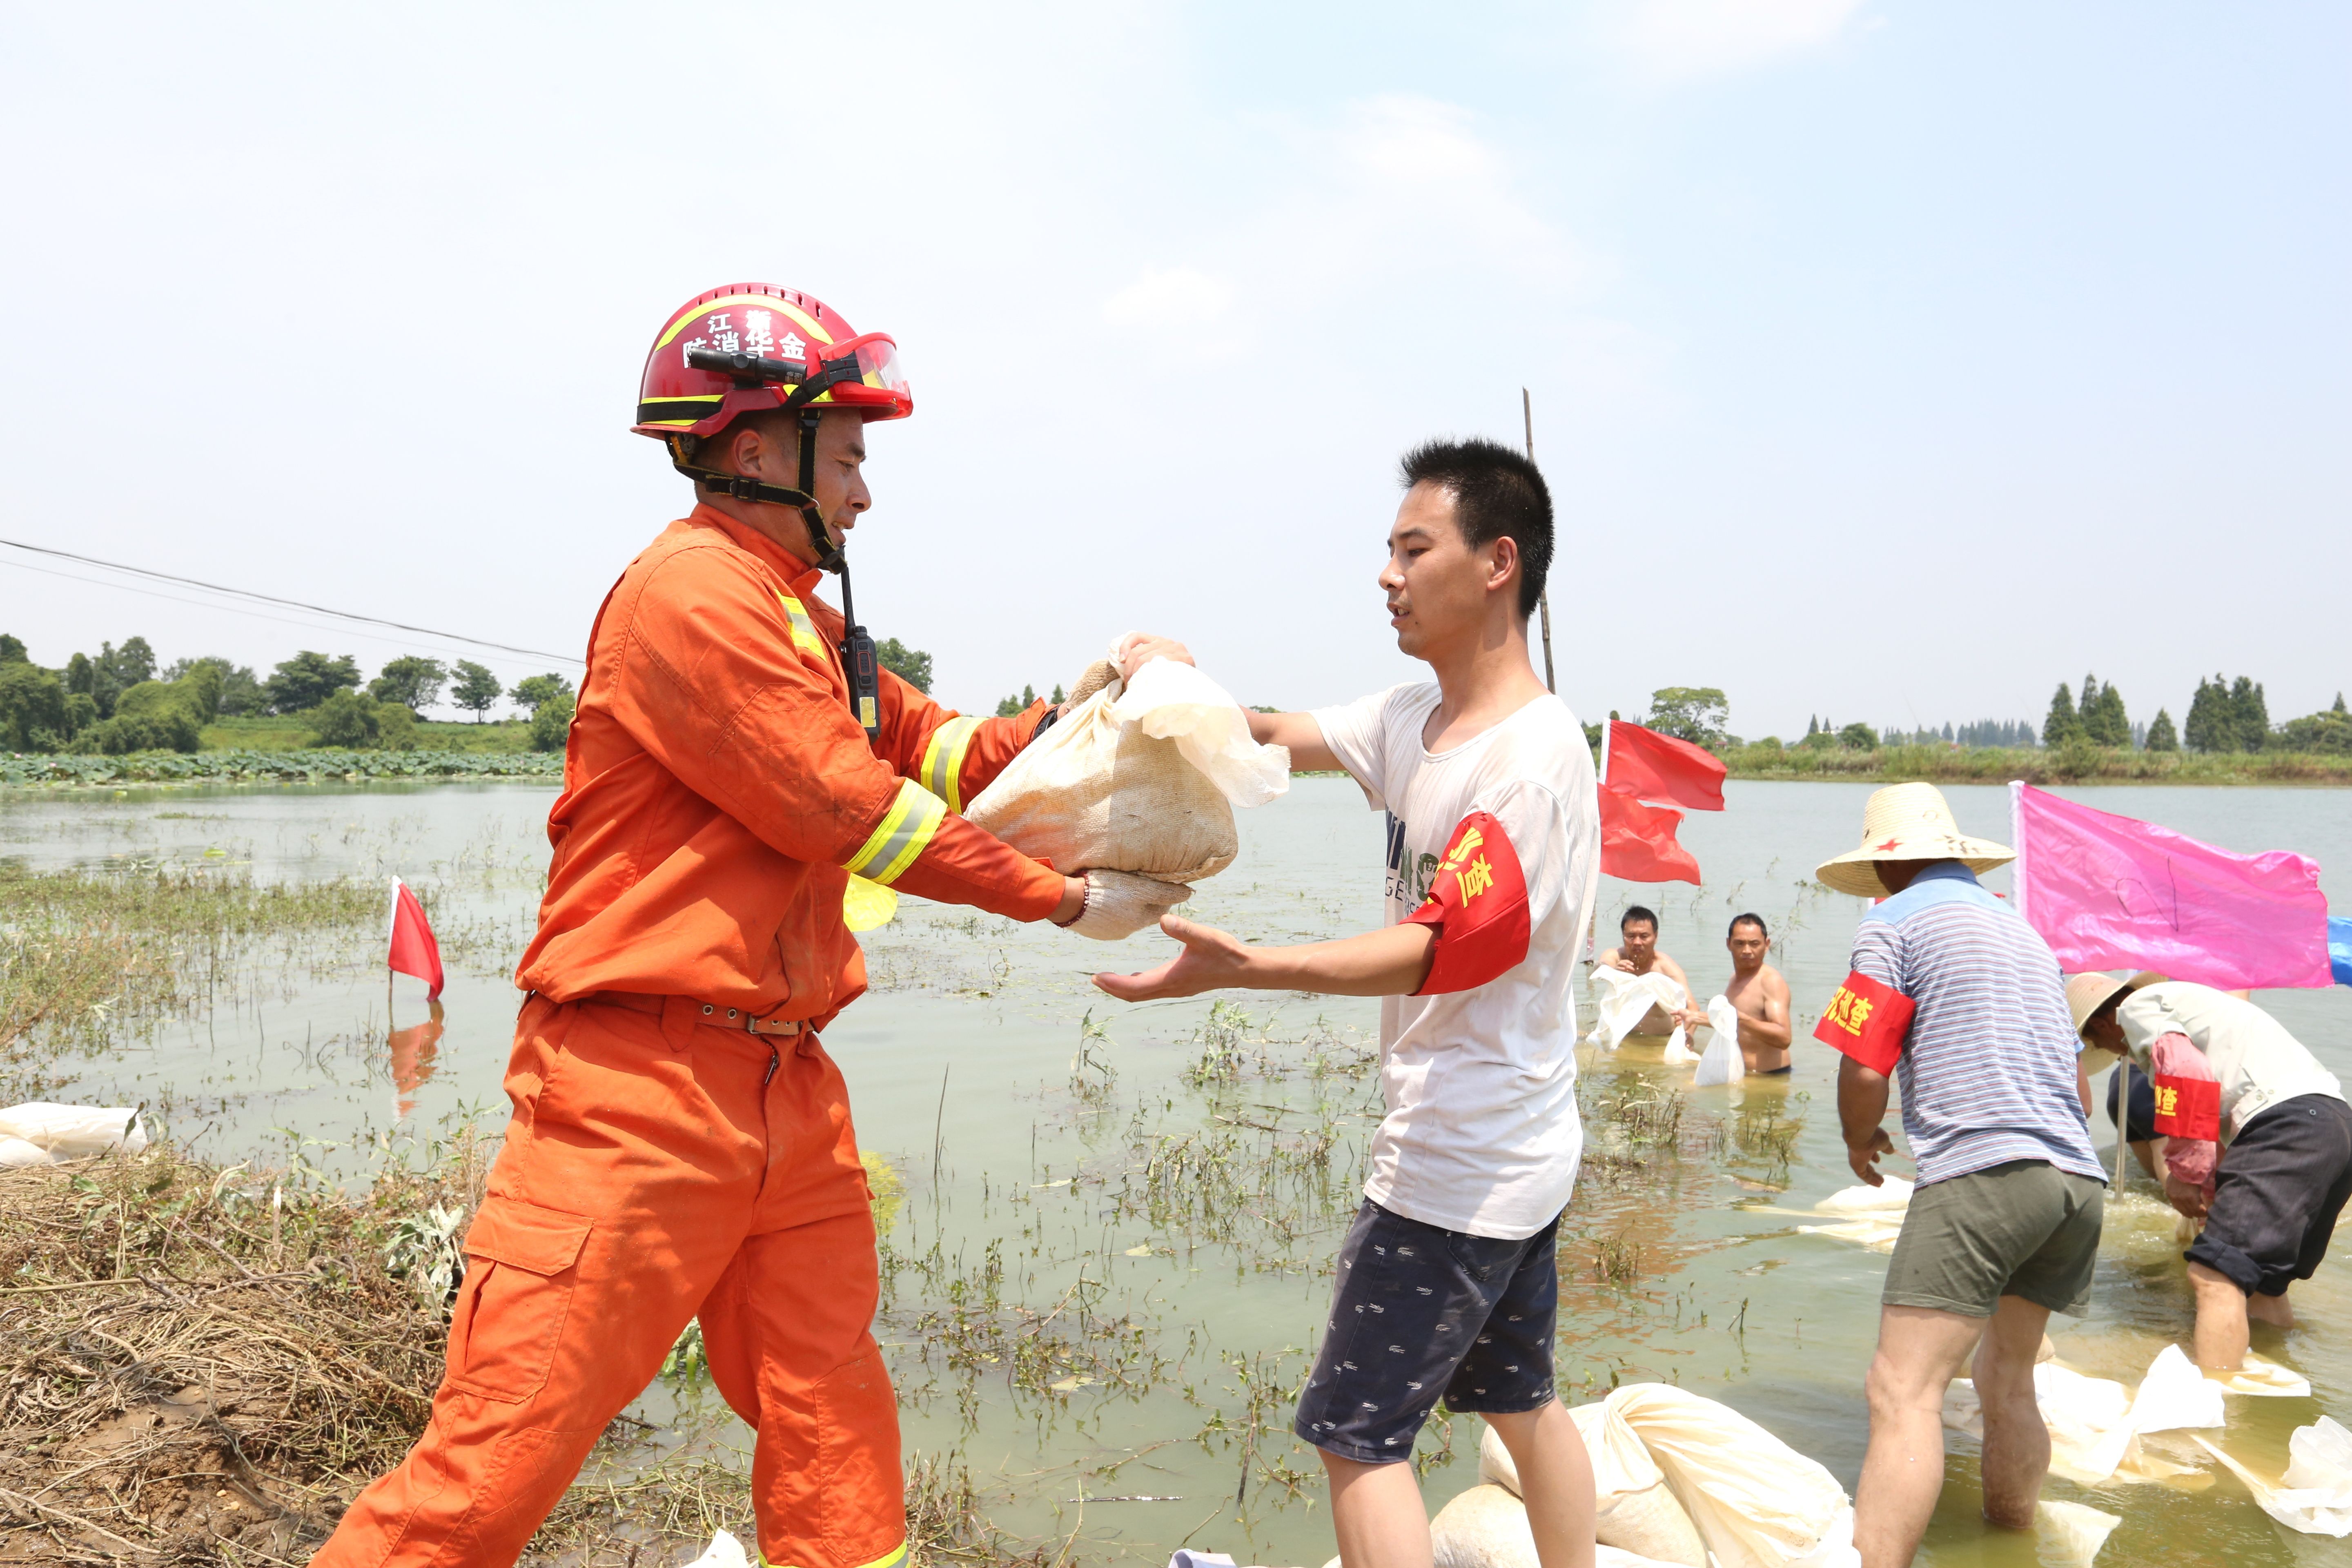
point(41, 1134)
point(1623, 999)
point(1141, 776)
point(1677, 1479)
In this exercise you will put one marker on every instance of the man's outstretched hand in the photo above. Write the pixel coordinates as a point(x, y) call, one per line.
point(1210, 961)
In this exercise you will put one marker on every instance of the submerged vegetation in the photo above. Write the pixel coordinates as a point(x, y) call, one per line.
point(278, 767)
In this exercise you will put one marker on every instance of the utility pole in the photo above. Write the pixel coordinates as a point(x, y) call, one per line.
point(1543, 600)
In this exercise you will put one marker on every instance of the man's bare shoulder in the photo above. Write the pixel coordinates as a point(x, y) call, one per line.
point(1772, 980)
point(1607, 957)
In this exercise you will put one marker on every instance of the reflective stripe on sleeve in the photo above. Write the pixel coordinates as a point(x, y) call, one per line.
point(804, 636)
point(906, 831)
point(942, 769)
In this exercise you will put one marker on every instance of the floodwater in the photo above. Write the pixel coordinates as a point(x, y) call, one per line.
point(1107, 1273)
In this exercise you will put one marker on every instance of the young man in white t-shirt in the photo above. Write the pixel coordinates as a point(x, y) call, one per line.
point(1447, 1284)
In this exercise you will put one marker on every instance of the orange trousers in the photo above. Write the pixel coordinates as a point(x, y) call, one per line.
point(657, 1169)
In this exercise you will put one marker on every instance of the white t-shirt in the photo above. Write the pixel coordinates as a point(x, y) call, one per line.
point(1481, 1133)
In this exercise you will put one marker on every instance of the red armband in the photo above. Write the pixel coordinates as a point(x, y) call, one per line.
point(2189, 1108)
point(1869, 1021)
point(1478, 904)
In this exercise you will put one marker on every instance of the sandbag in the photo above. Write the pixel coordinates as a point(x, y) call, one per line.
point(1755, 1502)
point(1486, 1527)
point(41, 1134)
point(1722, 1061)
point(2174, 1395)
point(2265, 1378)
point(1633, 1509)
point(2072, 1532)
point(1624, 999)
point(2315, 1495)
point(1115, 785)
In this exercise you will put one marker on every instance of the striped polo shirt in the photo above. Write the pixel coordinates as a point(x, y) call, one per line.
point(1988, 1075)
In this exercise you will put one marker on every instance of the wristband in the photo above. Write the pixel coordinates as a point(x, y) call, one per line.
point(1086, 896)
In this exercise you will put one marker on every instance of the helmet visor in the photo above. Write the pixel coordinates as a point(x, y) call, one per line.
point(881, 386)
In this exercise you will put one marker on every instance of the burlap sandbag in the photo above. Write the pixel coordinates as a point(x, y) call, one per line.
point(1095, 792)
point(1633, 1507)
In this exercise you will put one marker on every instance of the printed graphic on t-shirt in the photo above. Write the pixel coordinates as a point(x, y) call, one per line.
point(1409, 875)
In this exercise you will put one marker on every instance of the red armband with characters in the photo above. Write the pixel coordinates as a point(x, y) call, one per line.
point(1478, 905)
point(2189, 1108)
point(1869, 1021)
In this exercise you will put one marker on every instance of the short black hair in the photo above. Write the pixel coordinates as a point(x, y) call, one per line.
point(1756, 920)
point(1636, 912)
point(1496, 492)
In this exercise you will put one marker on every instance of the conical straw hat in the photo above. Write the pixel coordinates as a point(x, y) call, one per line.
point(1907, 822)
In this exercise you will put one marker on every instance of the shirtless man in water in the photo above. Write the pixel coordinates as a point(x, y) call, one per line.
point(1759, 993)
point(1636, 952)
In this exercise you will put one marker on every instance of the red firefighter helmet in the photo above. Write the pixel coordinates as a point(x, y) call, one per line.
point(769, 327)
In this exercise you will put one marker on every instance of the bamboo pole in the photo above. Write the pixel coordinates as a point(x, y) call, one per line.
point(1543, 600)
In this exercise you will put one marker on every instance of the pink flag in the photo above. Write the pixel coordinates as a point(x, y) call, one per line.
point(2113, 893)
point(413, 949)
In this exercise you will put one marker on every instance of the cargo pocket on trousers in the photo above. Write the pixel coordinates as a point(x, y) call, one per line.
point(521, 1266)
point(859, 1481)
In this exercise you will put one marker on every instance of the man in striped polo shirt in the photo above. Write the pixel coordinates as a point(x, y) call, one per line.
point(2003, 1228)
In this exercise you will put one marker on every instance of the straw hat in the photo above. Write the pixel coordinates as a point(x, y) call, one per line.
point(2086, 993)
point(1907, 822)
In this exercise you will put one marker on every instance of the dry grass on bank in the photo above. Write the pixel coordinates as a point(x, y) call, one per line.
point(203, 1366)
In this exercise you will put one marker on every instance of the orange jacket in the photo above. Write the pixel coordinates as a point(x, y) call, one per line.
point(717, 794)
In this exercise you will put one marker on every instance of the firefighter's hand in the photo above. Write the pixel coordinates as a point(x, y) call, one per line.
point(1120, 903)
point(1136, 649)
point(1864, 1157)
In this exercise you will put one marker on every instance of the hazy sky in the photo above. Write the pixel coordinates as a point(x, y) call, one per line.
point(1893, 360)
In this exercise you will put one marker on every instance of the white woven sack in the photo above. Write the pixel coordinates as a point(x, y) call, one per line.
point(1721, 1062)
point(1119, 784)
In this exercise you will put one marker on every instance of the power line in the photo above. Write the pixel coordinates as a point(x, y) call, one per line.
point(291, 604)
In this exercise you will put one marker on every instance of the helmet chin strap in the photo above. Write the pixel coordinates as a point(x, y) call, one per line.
point(859, 663)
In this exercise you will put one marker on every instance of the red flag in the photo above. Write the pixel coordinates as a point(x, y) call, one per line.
point(1659, 767)
point(1637, 841)
point(414, 951)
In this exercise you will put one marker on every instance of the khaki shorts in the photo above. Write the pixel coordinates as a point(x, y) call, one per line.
point(2026, 1228)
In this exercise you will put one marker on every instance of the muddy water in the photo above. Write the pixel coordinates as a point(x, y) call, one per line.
point(1107, 1268)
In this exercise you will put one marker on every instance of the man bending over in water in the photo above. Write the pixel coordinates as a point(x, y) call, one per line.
point(1636, 952)
point(1761, 997)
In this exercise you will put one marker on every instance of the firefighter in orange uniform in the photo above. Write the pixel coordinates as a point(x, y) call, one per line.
point(681, 1144)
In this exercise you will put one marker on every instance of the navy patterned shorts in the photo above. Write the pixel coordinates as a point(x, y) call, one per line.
point(1420, 1312)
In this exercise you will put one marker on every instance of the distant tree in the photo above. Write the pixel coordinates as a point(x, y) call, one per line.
point(1058, 699)
point(237, 692)
point(308, 680)
point(911, 664)
point(82, 714)
point(32, 707)
point(2251, 712)
point(2330, 730)
point(2062, 725)
point(2210, 726)
point(1011, 706)
point(81, 676)
point(551, 722)
point(2102, 716)
point(347, 718)
point(1813, 726)
point(410, 680)
point(11, 650)
point(477, 690)
point(2160, 736)
point(1857, 738)
point(1693, 713)
point(132, 663)
point(1949, 739)
point(158, 716)
point(535, 691)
